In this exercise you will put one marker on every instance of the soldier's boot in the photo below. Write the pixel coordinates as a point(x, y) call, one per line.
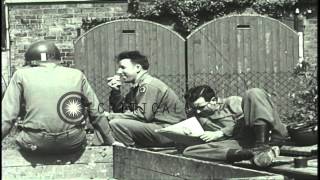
point(235, 155)
point(262, 134)
point(265, 157)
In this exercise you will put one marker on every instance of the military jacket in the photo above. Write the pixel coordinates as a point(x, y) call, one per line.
point(150, 100)
point(225, 117)
point(41, 88)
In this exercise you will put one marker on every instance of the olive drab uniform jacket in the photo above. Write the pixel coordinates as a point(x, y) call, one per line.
point(225, 117)
point(149, 100)
point(236, 113)
point(41, 88)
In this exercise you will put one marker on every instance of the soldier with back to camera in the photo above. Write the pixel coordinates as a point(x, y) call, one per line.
point(57, 101)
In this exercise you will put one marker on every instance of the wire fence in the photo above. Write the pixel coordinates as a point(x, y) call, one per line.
point(278, 84)
point(99, 84)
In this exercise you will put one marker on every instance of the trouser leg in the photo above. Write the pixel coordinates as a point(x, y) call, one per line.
point(258, 106)
point(97, 139)
point(45, 143)
point(136, 133)
point(212, 151)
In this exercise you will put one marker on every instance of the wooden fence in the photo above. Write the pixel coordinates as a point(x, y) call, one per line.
point(238, 52)
point(231, 54)
point(95, 52)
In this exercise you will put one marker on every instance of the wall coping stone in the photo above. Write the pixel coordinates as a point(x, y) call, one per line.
point(58, 1)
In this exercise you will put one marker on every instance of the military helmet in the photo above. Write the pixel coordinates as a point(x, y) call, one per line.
point(42, 51)
point(303, 134)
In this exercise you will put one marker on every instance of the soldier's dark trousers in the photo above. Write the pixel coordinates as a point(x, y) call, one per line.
point(52, 143)
point(138, 134)
point(258, 109)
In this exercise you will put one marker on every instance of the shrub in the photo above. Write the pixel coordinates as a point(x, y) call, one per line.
point(304, 97)
point(187, 15)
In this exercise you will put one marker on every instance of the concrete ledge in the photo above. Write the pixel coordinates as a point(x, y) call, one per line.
point(59, 1)
point(94, 162)
point(284, 165)
point(299, 150)
point(132, 163)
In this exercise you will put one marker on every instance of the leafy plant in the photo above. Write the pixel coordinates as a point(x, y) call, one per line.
point(304, 96)
point(186, 15)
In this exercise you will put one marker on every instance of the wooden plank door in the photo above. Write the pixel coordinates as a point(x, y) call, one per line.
point(95, 53)
point(234, 53)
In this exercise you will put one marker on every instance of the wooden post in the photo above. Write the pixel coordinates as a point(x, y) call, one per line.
point(299, 27)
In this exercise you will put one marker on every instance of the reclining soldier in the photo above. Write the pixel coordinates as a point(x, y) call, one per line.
point(236, 128)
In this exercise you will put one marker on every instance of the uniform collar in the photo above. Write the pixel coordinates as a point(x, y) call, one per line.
point(140, 79)
point(220, 100)
point(218, 105)
point(48, 64)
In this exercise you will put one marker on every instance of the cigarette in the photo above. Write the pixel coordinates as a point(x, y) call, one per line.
point(109, 79)
point(116, 77)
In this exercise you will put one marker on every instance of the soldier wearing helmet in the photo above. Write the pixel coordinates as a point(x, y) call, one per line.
point(57, 99)
point(42, 51)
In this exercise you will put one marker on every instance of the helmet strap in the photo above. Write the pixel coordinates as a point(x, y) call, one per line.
point(34, 63)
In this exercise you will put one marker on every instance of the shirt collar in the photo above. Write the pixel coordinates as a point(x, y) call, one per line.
point(218, 104)
point(140, 79)
point(49, 64)
point(220, 100)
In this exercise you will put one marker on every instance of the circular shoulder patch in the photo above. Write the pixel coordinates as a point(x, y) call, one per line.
point(142, 89)
point(70, 107)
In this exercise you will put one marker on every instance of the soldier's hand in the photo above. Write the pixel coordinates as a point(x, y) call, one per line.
point(106, 113)
point(114, 82)
point(116, 143)
point(186, 131)
point(208, 136)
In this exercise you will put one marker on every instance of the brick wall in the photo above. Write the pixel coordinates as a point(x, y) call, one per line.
point(59, 22)
point(53, 21)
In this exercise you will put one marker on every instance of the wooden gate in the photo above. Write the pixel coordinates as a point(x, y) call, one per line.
point(231, 54)
point(95, 52)
point(234, 53)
